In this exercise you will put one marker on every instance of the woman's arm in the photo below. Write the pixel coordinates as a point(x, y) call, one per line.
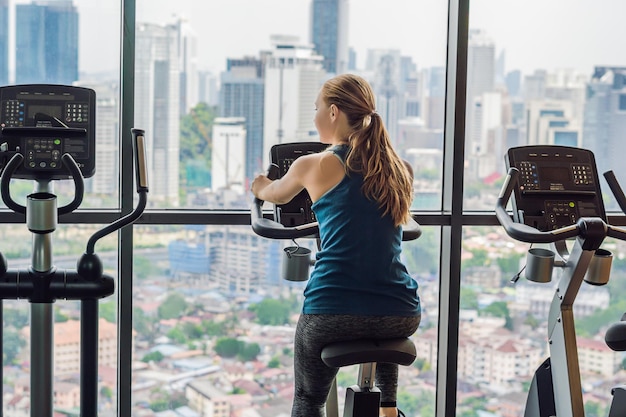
point(283, 190)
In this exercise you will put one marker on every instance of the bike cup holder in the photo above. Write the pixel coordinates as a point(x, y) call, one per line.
point(296, 263)
point(539, 265)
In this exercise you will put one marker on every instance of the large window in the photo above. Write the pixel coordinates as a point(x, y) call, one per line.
point(215, 85)
point(214, 98)
point(536, 75)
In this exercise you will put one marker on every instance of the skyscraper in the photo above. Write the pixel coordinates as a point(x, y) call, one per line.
point(188, 63)
point(605, 119)
point(157, 107)
point(329, 33)
point(242, 95)
point(46, 42)
point(4, 42)
point(293, 77)
point(106, 180)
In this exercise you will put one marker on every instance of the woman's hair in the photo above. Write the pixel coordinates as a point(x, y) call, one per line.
point(386, 179)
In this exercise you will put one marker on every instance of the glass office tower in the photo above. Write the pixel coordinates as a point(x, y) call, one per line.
point(46, 43)
point(241, 95)
point(329, 33)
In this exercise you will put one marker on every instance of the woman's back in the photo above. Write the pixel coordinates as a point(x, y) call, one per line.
point(358, 269)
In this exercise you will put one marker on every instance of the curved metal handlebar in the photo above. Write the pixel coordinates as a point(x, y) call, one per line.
point(528, 234)
point(274, 230)
point(12, 166)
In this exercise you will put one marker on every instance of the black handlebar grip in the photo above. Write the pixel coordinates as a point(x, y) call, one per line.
point(616, 189)
point(141, 166)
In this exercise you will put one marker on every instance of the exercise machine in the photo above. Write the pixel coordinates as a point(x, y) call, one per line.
point(48, 134)
point(556, 197)
point(296, 220)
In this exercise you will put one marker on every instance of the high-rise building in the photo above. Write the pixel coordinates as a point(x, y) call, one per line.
point(157, 107)
point(604, 121)
point(387, 81)
point(46, 42)
point(481, 77)
point(188, 64)
point(106, 180)
point(481, 64)
point(293, 78)
point(436, 98)
point(208, 90)
point(329, 33)
point(242, 95)
point(4, 42)
point(551, 122)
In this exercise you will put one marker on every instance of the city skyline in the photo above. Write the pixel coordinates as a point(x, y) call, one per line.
point(530, 39)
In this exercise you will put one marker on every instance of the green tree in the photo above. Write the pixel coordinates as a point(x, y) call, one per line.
point(144, 324)
point(58, 316)
point(271, 311)
point(274, 363)
point(227, 347)
point(469, 299)
point(155, 356)
point(14, 317)
point(509, 264)
point(195, 133)
point(174, 306)
point(106, 392)
point(12, 344)
point(499, 309)
point(144, 267)
point(177, 334)
point(195, 147)
point(193, 331)
point(249, 352)
point(480, 257)
point(594, 409)
point(211, 328)
point(108, 311)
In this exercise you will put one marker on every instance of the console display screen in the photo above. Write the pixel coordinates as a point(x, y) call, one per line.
point(554, 174)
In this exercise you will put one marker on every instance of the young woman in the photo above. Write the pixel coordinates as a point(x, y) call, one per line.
point(361, 192)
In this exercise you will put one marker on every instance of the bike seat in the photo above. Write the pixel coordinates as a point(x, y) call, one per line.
point(400, 351)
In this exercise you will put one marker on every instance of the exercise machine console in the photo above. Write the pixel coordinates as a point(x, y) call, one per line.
point(556, 197)
point(47, 133)
point(297, 220)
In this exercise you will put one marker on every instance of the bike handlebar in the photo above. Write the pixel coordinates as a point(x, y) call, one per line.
point(528, 234)
point(275, 230)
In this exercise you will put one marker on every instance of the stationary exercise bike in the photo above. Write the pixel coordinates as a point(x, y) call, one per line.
point(296, 220)
point(556, 197)
point(48, 134)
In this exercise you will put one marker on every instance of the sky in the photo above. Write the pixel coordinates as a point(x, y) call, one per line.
point(536, 34)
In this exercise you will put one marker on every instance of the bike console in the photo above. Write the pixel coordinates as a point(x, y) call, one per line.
point(557, 185)
point(43, 122)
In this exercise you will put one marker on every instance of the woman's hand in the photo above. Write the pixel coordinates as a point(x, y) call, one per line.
point(258, 185)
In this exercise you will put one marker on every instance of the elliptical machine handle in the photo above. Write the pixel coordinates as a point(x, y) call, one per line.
point(523, 232)
point(141, 168)
point(616, 189)
point(11, 167)
point(5, 181)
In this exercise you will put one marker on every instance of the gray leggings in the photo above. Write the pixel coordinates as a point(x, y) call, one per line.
point(313, 378)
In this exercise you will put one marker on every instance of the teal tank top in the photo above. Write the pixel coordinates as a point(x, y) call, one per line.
point(358, 268)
